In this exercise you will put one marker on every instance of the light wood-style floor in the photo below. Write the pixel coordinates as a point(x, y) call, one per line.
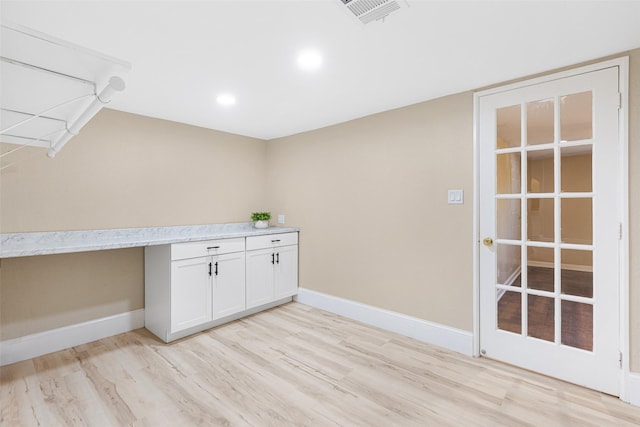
point(292, 365)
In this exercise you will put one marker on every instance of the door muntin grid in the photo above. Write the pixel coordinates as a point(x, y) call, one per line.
point(544, 219)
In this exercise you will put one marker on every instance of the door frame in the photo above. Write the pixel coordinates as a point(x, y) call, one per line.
point(622, 187)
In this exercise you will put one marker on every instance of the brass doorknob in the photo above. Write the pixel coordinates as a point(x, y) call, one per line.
point(488, 241)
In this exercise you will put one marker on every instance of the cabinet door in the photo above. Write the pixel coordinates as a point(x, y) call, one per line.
point(259, 277)
point(286, 272)
point(228, 284)
point(190, 293)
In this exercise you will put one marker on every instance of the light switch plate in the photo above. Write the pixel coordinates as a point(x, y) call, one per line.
point(456, 197)
point(280, 219)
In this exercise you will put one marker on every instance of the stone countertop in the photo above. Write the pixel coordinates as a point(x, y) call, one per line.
point(59, 242)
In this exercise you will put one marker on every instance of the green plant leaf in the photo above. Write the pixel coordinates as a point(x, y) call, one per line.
point(260, 216)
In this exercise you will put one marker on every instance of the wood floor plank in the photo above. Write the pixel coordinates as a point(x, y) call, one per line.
point(290, 366)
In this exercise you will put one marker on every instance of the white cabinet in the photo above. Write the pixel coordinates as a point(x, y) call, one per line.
point(260, 277)
point(190, 293)
point(286, 272)
point(272, 268)
point(228, 284)
point(189, 285)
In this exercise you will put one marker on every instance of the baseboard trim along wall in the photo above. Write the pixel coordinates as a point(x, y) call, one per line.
point(564, 266)
point(34, 345)
point(633, 391)
point(422, 330)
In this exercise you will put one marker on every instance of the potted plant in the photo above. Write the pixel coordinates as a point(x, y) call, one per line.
point(261, 219)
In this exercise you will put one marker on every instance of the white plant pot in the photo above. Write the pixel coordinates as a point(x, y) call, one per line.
point(261, 224)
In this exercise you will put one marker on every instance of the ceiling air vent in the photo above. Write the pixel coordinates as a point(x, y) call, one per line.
point(373, 10)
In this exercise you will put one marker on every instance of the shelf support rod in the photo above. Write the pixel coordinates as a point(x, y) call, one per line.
point(24, 113)
point(46, 70)
point(35, 116)
point(116, 84)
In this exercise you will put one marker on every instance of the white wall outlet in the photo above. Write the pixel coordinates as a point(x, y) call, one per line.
point(456, 197)
point(280, 219)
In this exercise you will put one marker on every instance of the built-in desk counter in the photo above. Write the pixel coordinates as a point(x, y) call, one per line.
point(58, 242)
point(221, 279)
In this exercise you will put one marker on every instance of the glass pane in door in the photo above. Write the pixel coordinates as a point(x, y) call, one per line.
point(508, 224)
point(509, 264)
point(576, 117)
point(541, 317)
point(576, 169)
point(509, 311)
point(540, 269)
point(540, 256)
point(540, 171)
point(540, 220)
point(577, 221)
point(508, 126)
point(577, 272)
point(577, 325)
point(508, 173)
point(540, 119)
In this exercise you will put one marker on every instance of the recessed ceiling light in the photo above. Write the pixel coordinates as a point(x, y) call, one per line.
point(226, 99)
point(309, 60)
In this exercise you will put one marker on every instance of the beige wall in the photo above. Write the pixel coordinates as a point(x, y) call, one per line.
point(47, 292)
point(122, 170)
point(125, 170)
point(370, 196)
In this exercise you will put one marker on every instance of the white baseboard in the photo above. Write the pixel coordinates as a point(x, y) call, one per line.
point(509, 282)
point(34, 345)
point(633, 390)
point(422, 330)
point(564, 266)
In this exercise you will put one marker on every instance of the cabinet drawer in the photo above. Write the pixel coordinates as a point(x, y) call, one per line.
point(206, 247)
point(271, 241)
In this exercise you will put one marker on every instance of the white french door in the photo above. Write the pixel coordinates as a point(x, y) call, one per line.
point(549, 228)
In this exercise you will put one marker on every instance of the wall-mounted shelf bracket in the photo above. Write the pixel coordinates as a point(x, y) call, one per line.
point(51, 88)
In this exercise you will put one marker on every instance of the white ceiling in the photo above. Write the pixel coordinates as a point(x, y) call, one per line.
point(185, 53)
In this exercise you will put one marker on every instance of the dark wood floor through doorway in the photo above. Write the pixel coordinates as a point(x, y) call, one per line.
point(577, 318)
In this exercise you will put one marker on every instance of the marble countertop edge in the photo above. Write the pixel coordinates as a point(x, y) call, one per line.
point(14, 245)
